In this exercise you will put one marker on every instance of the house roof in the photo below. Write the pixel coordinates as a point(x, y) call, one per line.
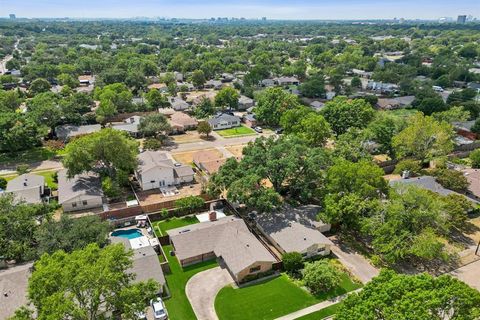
point(286, 79)
point(182, 119)
point(473, 178)
point(87, 184)
point(148, 160)
point(13, 283)
point(222, 117)
point(25, 181)
point(67, 131)
point(385, 103)
point(228, 238)
point(245, 100)
point(184, 171)
point(178, 103)
point(128, 125)
point(294, 229)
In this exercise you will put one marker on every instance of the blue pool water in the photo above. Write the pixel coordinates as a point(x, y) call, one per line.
point(129, 234)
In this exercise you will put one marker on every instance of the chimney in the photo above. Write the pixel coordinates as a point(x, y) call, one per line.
point(212, 216)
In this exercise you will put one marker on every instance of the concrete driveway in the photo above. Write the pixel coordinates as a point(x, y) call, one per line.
point(470, 274)
point(202, 289)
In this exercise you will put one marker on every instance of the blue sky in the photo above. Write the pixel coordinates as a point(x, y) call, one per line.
point(273, 9)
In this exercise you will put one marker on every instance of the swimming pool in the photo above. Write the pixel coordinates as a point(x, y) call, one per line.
point(129, 234)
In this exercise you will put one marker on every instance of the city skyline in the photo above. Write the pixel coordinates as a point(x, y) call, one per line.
point(281, 9)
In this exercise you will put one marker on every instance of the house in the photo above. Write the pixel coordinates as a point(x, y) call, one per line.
point(227, 77)
point(145, 263)
point(86, 80)
point(213, 84)
point(178, 76)
point(296, 230)
point(380, 87)
point(224, 121)
point(474, 86)
point(66, 132)
point(156, 170)
point(459, 84)
point(286, 81)
point(27, 187)
point(245, 102)
point(330, 95)
point(362, 73)
point(162, 87)
point(473, 178)
point(425, 182)
point(14, 289)
point(181, 122)
point(185, 86)
point(178, 104)
point(208, 161)
point(227, 239)
point(249, 120)
point(81, 192)
point(317, 105)
point(465, 129)
point(267, 83)
point(129, 125)
point(395, 103)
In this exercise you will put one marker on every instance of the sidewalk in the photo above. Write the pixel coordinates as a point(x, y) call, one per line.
point(316, 307)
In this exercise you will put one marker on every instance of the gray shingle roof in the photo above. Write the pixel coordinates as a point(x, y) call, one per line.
point(25, 181)
point(13, 282)
point(68, 131)
point(152, 159)
point(87, 184)
point(221, 118)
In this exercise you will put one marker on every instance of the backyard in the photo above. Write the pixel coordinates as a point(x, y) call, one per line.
point(272, 298)
point(235, 132)
point(162, 226)
point(178, 306)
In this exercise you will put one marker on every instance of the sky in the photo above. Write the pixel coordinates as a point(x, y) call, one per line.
point(272, 9)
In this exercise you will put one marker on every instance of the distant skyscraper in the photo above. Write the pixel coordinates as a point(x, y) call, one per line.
point(462, 19)
point(264, 18)
point(13, 16)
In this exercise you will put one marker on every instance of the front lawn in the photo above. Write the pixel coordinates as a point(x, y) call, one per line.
point(178, 306)
point(272, 299)
point(162, 226)
point(238, 131)
point(27, 156)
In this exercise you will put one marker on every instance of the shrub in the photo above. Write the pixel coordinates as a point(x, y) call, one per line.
point(321, 276)
point(451, 179)
point(110, 188)
point(410, 165)
point(152, 144)
point(292, 262)
point(22, 168)
point(189, 204)
point(54, 145)
point(3, 183)
point(475, 158)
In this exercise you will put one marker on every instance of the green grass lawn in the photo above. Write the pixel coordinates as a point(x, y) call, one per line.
point(27, 156)
point(178, 306)
point(162, 226)
point(272, 299)
point(48, 178)
point(402, 113)
point(238, 131)
point(327, 312)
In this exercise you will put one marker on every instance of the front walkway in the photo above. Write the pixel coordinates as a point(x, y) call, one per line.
point(202, 289)
point(316, 307)
point(470, 274)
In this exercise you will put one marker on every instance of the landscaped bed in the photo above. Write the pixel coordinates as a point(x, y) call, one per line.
point(272, 298)
point(162, 226)
point(178, 306)
point(238, 131)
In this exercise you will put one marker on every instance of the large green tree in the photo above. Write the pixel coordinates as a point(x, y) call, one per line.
point(272, 103)
point(342, 113)
point(227, 98)
point(307, 125)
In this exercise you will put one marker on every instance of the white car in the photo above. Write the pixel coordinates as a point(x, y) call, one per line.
point(437, 89)
point(159, 310)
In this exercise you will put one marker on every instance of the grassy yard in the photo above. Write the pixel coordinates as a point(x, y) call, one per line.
point(318, 315)
point(161, 227)
point(27, 156)
point(238, 131)
point(272, 299)
point(178, 306)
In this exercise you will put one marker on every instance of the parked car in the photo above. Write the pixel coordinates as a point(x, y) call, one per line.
point(159, 310)
point(437, 89)
point(279, 131)
point(258, 129)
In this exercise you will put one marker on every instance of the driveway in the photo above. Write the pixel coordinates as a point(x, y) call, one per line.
point(470, 274)
point(355, 262)
point(202, 289)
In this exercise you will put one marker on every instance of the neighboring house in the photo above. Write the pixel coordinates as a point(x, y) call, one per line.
point(181, 122)
point(80, 192)
point(317, 105)
point(296, 230)
point(381, 87)
point(227, 239)
point(425, 182)
point(330, 95)
point(187, 85)
point(66, 132)
point(157, 170)
point(213, 84)
point(178, 104)
point(208, 161)
point(249, 119)
point(162, 87)
point(14, 289)
point(224, 121)
point(27, 187)
point(145, 263)
point(473, 178)
point(362, 73)
point(227, 77)
point(138, 101)
point(177, 75)
point(474, 86)
point(129, 125)
point(267, 83)
point(245, 102)
point(86, 80)
point(286, 81)
point(395, 103)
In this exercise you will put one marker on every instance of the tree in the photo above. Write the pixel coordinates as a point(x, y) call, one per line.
point(154, 125)
point(156, 100)
point(382, 130)
point(392, 296)
point(313, 87)
point(454, 114)
point(70, 234)
point(412, 166)
point(227, 98)
point(307, 125)
point(292, 262)
point(431, 105)
point(204, 109)
point(452, 179)
point(189, 204)
point(3, 183)
point(106, 151)
point(44, 109)
point(198, 78)
point(251, 191)
point(89, 283)
point(39, 86)
point(321, 276)
point(424, 138)
point(342, 114)
point(204, 128)
point(9, 100)
point(475, 158)
point(114, 96)
point(356, 82)
point(476, 126)
point(272, 103)
point(66, 79)
point(18, 132)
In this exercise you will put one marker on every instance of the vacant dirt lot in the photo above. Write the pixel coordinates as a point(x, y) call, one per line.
point(236, 150)
point(155, 196)
point(187, 137)
point(187, 157)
